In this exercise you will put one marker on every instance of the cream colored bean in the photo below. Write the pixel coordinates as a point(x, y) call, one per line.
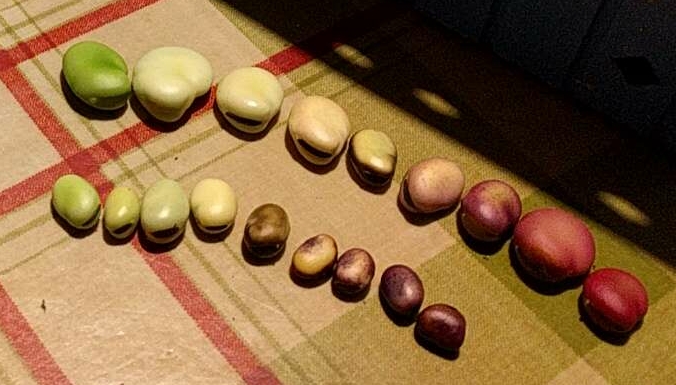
point(432, 185)
point(121, 212)
point(315, 257)
point(164, 211)
point(213, 204)
point(319, 128)
point(76, 201)
point(373, 156)
point(266, 231)
point(167, 80)
point(249, 98)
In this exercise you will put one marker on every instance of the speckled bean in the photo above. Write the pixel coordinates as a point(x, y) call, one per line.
point(353, 272)
point(315, 257)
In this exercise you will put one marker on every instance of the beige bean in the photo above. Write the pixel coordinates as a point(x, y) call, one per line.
point(213, 204)
point(431, 185)
point(373, 156)
point(315, 257)
point(319, 128)
point(249, 98)
point(266, 231)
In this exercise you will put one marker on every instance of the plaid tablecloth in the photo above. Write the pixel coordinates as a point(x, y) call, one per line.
point(85, 310)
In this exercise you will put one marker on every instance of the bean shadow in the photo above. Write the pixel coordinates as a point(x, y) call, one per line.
point(354, 175)
point(241, 135)
point(508, 117)
point(617, 339)
point(68, 228)
point(308, 282)
point(256, 260)
point(314, 168)
point(450, 355)
point(346, 297)
point(158, 248)
point(198, 106)
point(396, 318)
point(84, 109)
point(208, 237)
point(480, 247)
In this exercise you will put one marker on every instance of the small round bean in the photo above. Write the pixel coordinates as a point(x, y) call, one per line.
point(402, 290)
point(315, 257)
point(76, 201)
point(121, 212)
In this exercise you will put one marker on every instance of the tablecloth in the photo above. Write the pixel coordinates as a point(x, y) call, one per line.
point(83, 309)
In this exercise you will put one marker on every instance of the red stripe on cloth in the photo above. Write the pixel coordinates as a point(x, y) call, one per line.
point(70, 30)
point(226, 341)
point(40, 113)
point(27, 344)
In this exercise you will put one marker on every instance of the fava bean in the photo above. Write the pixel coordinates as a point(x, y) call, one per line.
point(315, 257)
point(402, 290)
point(167, 80)
point(319, 128)
point(97, 75)
point(431, 185)
point(266, 231)
point(249, 98)
point(121, 212)
point(442, 326)
point(353, 272)
point(76, 201)
point(164, 211)
point(213, 205)
point(373, 156)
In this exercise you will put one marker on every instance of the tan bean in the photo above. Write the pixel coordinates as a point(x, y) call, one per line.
point(319, 128)
point(431, 185)
point(315, 257)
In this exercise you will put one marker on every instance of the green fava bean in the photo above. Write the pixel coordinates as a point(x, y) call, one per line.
point(121, 212)
point(76, 201)
point(97, 75)
point(164, 211)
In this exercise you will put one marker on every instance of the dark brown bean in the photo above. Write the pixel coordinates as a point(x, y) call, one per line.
point(402, 290)
point(353, 272)
point(442, 326)
point(266, 231)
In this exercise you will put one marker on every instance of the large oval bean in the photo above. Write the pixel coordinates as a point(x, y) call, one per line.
point(97, 75)
point(121, 212)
